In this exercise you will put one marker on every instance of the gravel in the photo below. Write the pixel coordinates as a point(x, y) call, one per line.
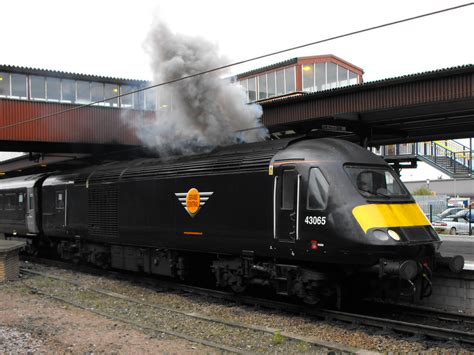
point(13, 340)
point(348, 335)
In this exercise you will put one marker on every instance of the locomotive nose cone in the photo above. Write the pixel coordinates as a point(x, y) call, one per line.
point(408, 270)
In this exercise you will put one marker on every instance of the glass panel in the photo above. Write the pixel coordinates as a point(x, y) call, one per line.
point(320, 72)
point(53, 89)
point(68, 90)
point(252, 89)
point(150, 100)
point(308, 77)
point(4, 84)
point(83, 91)
point(290, 79)
point(353, 78)
point(111, 90)
point(288, 190)
point(38, 87)
point(271, 89)
point(18, 86)
point(331, 75)
point(10, 202)
point(376, 181)
point(97, 92)
point(342, 74)
point(280, 82)
point(126, 101)
point(164, 99)
point(262, 87)
point(1, 202)
point(59, 199)
point(317, 190)
point(139, 100)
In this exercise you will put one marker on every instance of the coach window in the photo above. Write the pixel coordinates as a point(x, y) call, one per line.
point(18, 83)
point(111, 90)
point(37, 87)
point(68, 90)
point(53, 89)
point(83, 92)
point(21, 200)
point(290, 80)
point(30, 201)
point(1, 202)
point(318, 188)
point(288, 190)
point(10, 202)
point(59, 200)
point(4, 84)
point(97, 92)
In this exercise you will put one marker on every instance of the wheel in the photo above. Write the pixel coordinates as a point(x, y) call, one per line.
point(452, 231)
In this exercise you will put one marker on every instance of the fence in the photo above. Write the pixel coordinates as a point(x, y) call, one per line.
point(432, 205)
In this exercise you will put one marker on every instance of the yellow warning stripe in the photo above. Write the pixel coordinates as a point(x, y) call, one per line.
point(389, 215)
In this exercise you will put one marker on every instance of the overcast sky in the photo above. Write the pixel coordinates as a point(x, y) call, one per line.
point(107, 37)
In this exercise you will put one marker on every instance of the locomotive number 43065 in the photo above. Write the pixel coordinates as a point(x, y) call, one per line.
point(315, 220)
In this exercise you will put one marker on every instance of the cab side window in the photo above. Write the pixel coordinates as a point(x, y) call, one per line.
point(60, 200)
point(318, 188)
point(288, 190)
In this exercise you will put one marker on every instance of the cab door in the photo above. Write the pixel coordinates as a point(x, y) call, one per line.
point(286, 204)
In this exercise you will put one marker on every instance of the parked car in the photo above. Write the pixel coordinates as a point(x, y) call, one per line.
point(453, 225)
point(451, 211)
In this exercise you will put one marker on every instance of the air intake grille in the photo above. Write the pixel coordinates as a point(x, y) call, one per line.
point(102, 217)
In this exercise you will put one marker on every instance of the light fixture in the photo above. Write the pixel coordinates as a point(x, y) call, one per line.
point(307, 68)
point(394, 235)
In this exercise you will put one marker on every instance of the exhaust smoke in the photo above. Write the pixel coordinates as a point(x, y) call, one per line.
point(197, 114)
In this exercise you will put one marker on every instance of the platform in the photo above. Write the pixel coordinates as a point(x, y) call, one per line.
point(9, 259)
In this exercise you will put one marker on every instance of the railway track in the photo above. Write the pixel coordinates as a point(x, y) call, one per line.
point(315, 345)
point(446, 333)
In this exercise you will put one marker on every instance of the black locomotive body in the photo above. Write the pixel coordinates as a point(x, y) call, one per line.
point(304, 216)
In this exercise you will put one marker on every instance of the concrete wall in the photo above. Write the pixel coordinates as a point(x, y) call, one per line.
point(452, 292)
point(451, 187)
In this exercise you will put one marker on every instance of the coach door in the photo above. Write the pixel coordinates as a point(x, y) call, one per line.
point(285, 203)
point(31, 211)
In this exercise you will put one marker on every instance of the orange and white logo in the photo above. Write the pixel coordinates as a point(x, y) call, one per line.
point(193, 200)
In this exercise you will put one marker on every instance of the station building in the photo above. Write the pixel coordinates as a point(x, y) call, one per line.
point(302, 74)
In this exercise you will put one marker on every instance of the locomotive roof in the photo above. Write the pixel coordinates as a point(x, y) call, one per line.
point(20, 181)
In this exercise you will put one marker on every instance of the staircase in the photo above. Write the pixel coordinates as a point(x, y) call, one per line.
point(452, 158)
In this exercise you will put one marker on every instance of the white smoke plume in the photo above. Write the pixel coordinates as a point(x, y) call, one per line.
point(197, 114)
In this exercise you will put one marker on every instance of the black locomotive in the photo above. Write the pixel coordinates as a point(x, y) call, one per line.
point(308, 217)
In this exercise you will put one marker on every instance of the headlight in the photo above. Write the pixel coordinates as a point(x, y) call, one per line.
point(380, 235)
point(394, 235)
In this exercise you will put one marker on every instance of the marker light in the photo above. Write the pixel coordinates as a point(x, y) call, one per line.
point(314, 245)
point(380, 235)
point(394, 235)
